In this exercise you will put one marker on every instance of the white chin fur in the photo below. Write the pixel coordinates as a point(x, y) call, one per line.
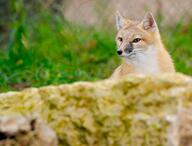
point(145, 61)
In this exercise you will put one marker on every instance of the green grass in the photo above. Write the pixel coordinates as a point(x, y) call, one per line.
point(53, 51)
point(178, 40)
point(49, 50)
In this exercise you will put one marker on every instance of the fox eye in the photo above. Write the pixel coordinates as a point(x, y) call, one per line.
point(136, 40)
point(120, 39)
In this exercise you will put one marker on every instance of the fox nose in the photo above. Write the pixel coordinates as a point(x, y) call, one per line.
point(119, 52)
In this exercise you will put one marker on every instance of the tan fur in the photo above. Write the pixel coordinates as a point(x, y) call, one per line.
point(123, 69)
point(148, 31)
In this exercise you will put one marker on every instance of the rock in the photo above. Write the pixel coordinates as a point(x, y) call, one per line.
point(180, 131)
point(131, 111)
point(19, 130)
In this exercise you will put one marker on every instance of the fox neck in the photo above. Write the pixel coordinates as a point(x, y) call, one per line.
point(146, 62)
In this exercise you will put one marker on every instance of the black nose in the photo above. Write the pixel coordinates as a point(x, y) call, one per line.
point(119, 52)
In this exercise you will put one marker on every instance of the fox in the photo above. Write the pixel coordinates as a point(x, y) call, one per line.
point(140, 46)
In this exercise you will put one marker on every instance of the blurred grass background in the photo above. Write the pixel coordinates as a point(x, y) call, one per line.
point(39, 46)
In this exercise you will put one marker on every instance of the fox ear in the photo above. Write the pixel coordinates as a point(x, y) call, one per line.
point(120, 20)
point(148, 23)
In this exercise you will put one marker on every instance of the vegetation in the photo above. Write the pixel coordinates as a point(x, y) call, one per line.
point(46, 49)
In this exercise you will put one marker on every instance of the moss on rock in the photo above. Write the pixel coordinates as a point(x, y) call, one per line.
point(127, 112)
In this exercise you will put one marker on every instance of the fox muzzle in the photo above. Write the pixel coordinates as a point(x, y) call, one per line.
point(129, 48)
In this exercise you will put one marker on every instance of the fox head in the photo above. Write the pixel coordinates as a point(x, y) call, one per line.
point(135, 37)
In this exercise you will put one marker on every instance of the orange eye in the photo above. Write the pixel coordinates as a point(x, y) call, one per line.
point(136, 40)
point(120, 39)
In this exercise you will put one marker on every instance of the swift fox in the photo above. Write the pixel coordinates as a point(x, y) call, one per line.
point(140, 47)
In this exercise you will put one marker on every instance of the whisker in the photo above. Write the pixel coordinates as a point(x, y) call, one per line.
point(138, 49)
point(139, 52)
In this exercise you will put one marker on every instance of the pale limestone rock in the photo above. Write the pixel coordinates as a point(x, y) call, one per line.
point(25, 131)
point(131, 111)
point(180, 131)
